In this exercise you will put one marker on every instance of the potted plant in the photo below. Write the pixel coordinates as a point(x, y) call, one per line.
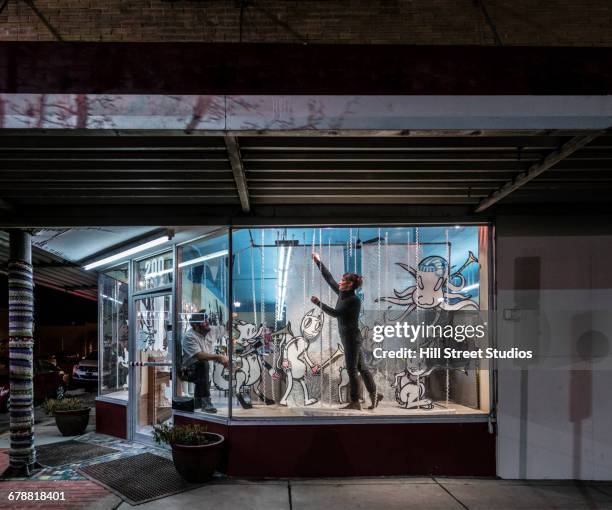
point(195, 451)
point(71, 415)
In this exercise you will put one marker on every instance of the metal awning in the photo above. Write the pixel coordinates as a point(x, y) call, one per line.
point(55, 272)
point(101, 171)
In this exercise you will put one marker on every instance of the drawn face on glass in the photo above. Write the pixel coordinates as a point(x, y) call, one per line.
point(428, 291)
point(312, 325)
point(246, 331)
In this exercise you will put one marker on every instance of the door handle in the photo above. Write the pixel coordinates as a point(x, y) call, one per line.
point(149, 364)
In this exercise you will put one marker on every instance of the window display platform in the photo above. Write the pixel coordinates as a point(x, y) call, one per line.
point(121, 395)
point(384, 409)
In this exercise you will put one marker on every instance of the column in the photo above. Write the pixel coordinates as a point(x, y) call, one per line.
point(22, 454)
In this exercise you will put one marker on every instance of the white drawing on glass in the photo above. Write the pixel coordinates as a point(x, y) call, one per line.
point(410, 390)
point(249, 365)
point(434, 288)
point(292, 357)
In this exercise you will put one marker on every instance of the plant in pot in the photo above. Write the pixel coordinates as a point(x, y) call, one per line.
point(71, 415)
point(195, 451)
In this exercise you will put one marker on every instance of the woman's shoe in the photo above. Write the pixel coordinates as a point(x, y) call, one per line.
point(243, 403)
point(207, 406)
point(355, 406)
point(375, 398)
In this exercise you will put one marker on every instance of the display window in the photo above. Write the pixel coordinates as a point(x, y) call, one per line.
point(113, 352)
point(295, 357)
point(300, 322)
point(201, 353)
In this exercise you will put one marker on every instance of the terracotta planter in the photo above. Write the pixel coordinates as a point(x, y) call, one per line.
point(72, 423)
point(198, 463)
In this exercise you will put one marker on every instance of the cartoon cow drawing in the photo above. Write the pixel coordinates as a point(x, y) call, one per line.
point(249, 365)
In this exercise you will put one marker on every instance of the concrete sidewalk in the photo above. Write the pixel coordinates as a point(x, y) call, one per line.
point(336, 494)
point(306, 494)
point(390, 494)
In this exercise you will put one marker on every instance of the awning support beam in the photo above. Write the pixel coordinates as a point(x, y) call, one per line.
point(568, 148)
point(233, 151)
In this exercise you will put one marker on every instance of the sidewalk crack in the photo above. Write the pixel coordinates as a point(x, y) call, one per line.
point(450, 494)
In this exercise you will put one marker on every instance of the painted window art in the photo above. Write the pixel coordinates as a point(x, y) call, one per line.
point(289, 358)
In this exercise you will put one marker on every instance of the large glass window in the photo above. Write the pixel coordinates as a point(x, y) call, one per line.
point(114, 333)
point(290, 357)
point(203, 313)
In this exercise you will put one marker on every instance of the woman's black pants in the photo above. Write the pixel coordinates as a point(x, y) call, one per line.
point(353, 357)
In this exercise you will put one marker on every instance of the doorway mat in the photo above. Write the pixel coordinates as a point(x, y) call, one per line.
point(69, 452)
point(139, 479)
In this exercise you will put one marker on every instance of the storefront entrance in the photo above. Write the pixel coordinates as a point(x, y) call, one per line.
point(287, 369)
point(150, 400)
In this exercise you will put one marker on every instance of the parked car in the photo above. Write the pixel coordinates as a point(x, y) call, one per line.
point(85, 372)
point(66, 360)
point(49, 382)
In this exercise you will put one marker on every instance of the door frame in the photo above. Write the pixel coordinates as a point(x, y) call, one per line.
point(131, 433)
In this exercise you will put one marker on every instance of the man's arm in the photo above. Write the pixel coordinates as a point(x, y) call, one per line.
point(327, 275)
point(206, 356)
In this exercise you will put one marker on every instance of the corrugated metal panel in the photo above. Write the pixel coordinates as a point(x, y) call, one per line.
point(54, 272)
point(100, 170)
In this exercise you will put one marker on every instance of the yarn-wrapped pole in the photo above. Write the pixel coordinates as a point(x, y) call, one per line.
point(22, 453)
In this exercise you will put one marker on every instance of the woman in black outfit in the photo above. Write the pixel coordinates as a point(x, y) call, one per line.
point(347, 312)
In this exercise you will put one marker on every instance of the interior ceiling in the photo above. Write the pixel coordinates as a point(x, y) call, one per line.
point(93, 171)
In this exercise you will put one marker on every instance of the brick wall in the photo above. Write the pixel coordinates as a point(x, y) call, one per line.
point(519, 22)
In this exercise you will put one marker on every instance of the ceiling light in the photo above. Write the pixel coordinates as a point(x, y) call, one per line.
point(214, 255)
point(126, 253)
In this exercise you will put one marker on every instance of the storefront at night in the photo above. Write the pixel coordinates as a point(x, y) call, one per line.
point(286, 369)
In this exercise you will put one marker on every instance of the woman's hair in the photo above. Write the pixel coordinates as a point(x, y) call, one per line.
point(355, 279)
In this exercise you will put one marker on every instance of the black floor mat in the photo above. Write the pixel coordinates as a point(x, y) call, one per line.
point(69, 452)
point(139, 478)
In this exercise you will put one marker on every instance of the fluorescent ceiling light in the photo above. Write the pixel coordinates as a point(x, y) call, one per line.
point(104, 296)
point(204, 258)
point(126, 253)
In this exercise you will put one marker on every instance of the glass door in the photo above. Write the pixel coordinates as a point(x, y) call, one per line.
point(151, 397)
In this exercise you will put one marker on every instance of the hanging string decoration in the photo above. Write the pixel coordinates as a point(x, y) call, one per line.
point(448, 258)
point(386, 286)
point(252, 250)
point(321, 334)
point(417, 257)
point(329, 322)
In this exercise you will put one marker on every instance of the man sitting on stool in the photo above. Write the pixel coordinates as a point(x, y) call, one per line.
point(198, 350)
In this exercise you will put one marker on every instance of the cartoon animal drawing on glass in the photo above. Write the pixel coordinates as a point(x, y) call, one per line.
point(410, 390)
point(292, 357)
point(434, 288)
point(248, 363)
point(147, 332)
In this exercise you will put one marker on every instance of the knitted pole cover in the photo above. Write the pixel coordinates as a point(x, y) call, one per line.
point(22, 454)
